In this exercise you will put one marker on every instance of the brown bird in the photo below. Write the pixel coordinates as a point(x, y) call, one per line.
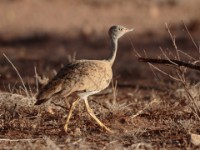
point(84, 77)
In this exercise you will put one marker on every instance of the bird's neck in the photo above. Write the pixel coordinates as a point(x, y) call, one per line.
point(114, 45)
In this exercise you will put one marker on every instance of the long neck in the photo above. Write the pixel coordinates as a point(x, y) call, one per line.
point(114, 43)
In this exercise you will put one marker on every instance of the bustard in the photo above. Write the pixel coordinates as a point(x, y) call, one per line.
point(85, 77)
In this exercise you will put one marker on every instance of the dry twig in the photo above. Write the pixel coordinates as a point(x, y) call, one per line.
point(169, 62)
point(24, 87)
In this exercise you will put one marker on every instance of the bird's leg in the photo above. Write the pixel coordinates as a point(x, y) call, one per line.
point(70, 113)
point(50, 110)
point(91, 113)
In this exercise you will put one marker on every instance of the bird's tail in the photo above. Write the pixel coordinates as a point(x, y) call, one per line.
point(40, 101)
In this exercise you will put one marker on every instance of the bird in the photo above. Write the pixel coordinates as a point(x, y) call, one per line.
point(83, 77)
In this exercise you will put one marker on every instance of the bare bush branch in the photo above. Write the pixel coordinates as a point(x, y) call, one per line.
point(169, 62)
point(173, 38)
point(192, 39)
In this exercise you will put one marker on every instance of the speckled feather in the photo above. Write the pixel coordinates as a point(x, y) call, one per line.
point(78, 76)
point(86, 77)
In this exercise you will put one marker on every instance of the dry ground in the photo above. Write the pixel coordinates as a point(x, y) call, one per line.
point(148, 112)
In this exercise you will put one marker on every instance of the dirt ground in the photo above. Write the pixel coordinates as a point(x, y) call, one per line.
point(147, 110)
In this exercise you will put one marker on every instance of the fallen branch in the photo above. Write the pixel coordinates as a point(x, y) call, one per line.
point(17, 140)
point(169, 62)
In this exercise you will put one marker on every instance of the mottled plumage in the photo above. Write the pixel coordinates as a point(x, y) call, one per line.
point(84, 77)
point(79, 76)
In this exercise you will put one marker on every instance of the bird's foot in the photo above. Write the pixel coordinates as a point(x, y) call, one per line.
point(50, 110)
point(66, 128)
point(108, 129)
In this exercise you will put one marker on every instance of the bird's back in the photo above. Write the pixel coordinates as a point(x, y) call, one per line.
point(79, 76)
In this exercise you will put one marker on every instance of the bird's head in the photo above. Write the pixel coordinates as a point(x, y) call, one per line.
point(117, 31)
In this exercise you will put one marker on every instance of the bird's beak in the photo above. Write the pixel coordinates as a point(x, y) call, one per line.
point(129, 30)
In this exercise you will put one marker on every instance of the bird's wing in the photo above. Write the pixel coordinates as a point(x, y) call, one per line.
point(80, 76)
point(55, 85)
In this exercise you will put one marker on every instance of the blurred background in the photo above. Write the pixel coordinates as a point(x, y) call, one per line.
point(45, 34)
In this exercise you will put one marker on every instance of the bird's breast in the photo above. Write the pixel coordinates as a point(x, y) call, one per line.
point(96, 77)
